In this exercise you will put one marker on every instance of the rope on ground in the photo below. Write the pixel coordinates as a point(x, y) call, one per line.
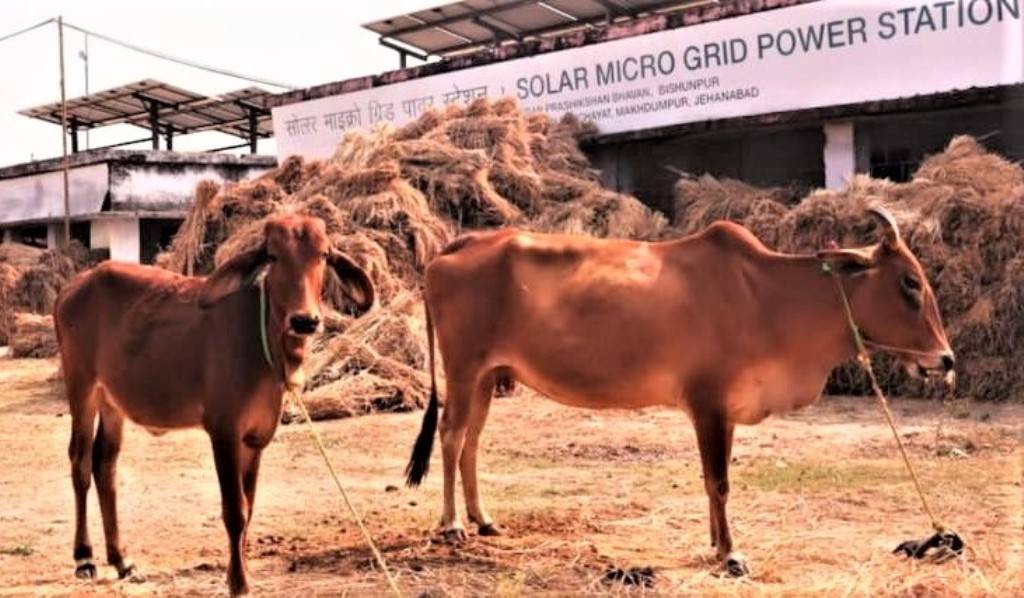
point(318, 441)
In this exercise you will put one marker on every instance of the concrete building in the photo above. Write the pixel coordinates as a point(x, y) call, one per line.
point(773, 92)
point(129, 202)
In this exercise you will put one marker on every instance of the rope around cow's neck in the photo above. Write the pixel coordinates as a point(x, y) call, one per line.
point(261, 282)
point(865, 361)
point(296, 396)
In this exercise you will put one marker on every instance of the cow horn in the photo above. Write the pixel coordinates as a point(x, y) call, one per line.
point(891, 229)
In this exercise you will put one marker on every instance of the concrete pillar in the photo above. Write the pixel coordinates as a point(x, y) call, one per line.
point(119, 235)
point(8, 235)
point(862, 152)
point(840, 153)
point(54, 235)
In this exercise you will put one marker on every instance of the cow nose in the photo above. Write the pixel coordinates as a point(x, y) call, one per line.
point(948, 361)
point(304, 324)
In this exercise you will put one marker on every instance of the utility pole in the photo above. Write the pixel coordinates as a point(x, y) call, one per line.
point(84, 55)
point(64, 133)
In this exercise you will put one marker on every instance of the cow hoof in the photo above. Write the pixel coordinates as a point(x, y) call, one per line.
point(489, 529)
point(85, 570)
point(455, 535)
point(736, 565)
point(131, 573)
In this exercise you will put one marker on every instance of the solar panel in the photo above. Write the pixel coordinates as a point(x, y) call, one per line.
point(117, 105)
point(176, 110)
point(465, 26)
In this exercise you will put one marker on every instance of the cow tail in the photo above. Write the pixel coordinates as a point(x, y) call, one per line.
point(419, 463)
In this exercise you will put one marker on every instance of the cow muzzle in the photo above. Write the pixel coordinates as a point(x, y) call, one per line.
point(303, 324)
point(934, 367)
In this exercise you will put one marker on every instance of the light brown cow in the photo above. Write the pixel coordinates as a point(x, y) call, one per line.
point(714, 323)
point(168, 351)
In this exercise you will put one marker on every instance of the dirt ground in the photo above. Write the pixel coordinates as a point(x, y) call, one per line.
point(819, 499)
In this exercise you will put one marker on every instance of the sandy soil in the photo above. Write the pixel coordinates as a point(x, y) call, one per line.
point(819, 498)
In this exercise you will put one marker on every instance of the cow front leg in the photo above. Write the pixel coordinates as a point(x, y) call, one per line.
point(227, 448)
point(714, 438)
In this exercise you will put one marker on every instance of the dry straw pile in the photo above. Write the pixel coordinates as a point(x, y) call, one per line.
point(392, 199)
point(30, 279)
point(963, 216)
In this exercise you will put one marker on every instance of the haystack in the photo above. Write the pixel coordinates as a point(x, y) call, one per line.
point(602, 213)
point(962, 214)
point(703, 200)
point(33, 336)
point(392, 199)
point(8, 281)
point(30, 279)
point(37, 288)
point(19, 255)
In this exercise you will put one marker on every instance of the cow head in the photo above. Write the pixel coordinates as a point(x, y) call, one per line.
point(293, 258)
point(892, 302)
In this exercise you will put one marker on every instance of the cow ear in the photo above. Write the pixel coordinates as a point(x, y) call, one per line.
point(847, 261)
point(890, 230)
point(355, 283)
point(231, 276)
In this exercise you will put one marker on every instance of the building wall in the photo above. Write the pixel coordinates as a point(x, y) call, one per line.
point(167, 186)
point(110, 192)
point(40, 196)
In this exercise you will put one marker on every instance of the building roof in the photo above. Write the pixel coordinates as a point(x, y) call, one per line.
point(466, 26)
point(136, 156)
point(172, 109)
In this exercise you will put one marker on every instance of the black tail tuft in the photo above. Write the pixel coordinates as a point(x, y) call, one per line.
point(419, 463)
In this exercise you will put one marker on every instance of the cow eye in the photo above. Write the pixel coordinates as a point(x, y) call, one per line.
point(912, 291)
point(911, 283)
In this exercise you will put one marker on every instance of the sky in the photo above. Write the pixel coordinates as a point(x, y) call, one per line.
point(298, 42)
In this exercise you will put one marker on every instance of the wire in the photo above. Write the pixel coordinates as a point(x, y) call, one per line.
point(152, 53)
point(26, 30)
point(181, 61)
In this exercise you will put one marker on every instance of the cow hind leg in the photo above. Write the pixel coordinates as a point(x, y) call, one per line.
point(454, 424)
point(714, 439)
point(478, 409)
point(82, 403)
point(106, 450)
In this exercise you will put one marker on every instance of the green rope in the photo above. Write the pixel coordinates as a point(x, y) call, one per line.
point(261, 282)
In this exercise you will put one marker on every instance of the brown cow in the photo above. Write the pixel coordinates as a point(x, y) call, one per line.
point(168, 351)
point(714, 323)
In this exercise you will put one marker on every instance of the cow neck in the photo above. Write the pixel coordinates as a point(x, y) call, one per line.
point(811, 305)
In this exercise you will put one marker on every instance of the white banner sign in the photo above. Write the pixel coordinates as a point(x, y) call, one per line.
point(813, 55)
